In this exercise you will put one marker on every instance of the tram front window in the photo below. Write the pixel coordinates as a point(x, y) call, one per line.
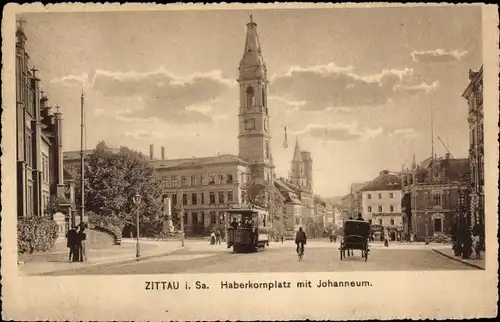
point(241, 221)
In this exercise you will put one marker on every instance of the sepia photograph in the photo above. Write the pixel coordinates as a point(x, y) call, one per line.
point(247, 141)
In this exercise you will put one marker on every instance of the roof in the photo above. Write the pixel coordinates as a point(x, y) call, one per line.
point(474, 77)
point(282, 186)
point(355, 187)
point(385, 181)
point(291, 197)
point(297, 155)
point(196, 162)
point(454, 169)
point(252, 56)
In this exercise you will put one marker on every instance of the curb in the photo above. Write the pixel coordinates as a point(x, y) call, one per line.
point(111, 263)
point(459, 260)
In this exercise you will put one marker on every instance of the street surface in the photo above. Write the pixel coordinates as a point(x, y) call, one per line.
point(320, 256)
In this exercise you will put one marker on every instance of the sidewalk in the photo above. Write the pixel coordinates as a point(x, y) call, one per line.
point(57, 260)
point(477, 263)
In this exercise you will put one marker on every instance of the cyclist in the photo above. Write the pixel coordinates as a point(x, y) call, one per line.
point(300, 239)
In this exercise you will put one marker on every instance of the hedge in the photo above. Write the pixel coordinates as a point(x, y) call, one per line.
point(111, 224)
point(35, 234)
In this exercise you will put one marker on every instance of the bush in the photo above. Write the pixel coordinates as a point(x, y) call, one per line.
point(54, 205)
point(35, 234)
point(111, 224)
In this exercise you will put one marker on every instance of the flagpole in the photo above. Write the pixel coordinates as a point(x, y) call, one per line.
point(82, 163)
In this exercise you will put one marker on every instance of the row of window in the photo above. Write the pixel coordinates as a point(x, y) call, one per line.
point(198, 180)
point(199, 198)
point(29, 200)
point(214, 219)
point(45, 168)
point(381, 222)
point(29, 149)
point(381, 209)
point(391, 195)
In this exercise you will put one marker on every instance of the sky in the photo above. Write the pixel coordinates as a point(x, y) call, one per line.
point(357, 86)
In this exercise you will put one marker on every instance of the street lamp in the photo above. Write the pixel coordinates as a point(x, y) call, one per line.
point(137, 202)
point(181, 196)
point(426, 228)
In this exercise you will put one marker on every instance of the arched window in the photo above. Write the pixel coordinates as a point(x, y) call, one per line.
point(264, 103)
point(250, 96)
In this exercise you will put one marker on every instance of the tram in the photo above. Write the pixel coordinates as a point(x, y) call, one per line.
point(249, 229)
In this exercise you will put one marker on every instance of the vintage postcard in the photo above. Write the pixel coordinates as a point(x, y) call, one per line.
point(249, 161)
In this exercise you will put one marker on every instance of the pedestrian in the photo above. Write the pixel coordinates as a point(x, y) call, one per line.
point(282, 237)
point(71, 243)
point(386, 238)
point(212, 238)
point(82, 243)
point(476, 245)
point(412, 237)
point(217, 236)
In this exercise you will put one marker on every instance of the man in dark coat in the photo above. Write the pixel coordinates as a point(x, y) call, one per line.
point(360, 217)
point(71, 243)
point(82, 243)
point(300, 239)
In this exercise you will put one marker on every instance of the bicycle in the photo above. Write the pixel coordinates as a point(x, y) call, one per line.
point(301, 252)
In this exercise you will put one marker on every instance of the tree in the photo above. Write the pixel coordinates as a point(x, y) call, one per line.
point(112, 180)
point(265, 195)
point(54, 205)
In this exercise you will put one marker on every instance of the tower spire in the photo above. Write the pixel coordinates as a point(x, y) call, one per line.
point(252, 56)
point(297, 155)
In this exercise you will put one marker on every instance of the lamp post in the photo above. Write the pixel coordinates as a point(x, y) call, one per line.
point(181, 196)
point(137, 202)
point(426, 228)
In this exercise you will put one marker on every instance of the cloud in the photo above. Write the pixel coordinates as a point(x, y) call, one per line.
point(331, 86)
point(81, 80)
point(437, 56)
point(144, 134)
point(160, 93)
point(407, 133)
point(339, 132)
point(291, 106)
point(99, 111)
point(139, 134)
point(424, 87)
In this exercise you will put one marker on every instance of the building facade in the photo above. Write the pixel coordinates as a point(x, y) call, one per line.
point(204, 188)
point(435, 194)
point(381, 201)
point(474, 96)
point(40, 174)
point(351, 203)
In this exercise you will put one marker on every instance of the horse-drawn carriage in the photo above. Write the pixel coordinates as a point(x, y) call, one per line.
point(356, 237)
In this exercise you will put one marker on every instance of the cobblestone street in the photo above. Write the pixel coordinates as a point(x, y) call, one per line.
point(320, 256)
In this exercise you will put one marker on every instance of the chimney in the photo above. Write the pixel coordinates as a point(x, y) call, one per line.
point(448, 156)
point(163, 153)
point(151, 151)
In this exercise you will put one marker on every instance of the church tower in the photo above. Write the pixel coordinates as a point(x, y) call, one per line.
point(254, 136)
point(298, 176)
